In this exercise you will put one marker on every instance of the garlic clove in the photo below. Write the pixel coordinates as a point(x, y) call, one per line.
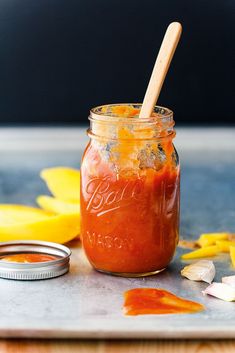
point(203, 270)
point(230, 280)
point(221, 290)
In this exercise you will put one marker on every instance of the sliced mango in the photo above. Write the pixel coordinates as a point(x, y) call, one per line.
point(64, 183)
point(27, 223)
point(231, 236)
point(208, 239)
point(232, 254)
point(224, 245)
point(14, 214)
point(203, 252)
point(55, 205)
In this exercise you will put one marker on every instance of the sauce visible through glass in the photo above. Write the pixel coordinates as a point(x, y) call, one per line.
point(141, 301)
point(148, 203)
point(29, 257)
point(130, 188)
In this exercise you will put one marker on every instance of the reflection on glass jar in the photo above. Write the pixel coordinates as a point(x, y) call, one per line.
point(130, 191)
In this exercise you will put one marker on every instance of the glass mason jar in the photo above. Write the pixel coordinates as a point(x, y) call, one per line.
point(130, 179)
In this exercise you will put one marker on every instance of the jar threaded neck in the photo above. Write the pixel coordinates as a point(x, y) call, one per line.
point(121, 121)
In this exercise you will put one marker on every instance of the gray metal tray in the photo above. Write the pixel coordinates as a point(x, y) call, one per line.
point(87, 304)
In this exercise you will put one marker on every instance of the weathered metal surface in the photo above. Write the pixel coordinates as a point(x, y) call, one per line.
point(85, 303)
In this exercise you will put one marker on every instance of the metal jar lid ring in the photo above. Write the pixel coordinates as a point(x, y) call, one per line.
point(55, 260)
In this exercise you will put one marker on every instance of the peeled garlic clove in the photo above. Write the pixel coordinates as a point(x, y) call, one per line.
point(203, 270)
point(230, 280)
point(221, 290)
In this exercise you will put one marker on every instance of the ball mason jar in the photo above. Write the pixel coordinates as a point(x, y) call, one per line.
point(130, 179)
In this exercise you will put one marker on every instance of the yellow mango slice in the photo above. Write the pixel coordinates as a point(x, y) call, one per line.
point(64, 183)
point(224, 245)
point(203, 252)
point(14, 214)
point(55, 205)
point(27, 223)
point(232, 254)
point(208, 239)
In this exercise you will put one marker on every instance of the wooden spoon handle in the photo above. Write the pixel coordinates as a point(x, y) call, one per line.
point(160, 69)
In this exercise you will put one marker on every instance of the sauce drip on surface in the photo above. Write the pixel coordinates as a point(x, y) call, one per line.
point(141, 301)
point(29, 258)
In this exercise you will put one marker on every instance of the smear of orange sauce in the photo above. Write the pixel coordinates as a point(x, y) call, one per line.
point(29, 257)
point(141, 301)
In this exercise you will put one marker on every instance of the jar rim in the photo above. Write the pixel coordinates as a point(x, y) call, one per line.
point(161, 113)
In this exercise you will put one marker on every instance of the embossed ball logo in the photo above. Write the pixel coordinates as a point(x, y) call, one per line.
point(107, 195)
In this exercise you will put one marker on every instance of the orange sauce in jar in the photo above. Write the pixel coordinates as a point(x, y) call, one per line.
point(142, 301)
point(129, 201)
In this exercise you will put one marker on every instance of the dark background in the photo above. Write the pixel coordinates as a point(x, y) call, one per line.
point(59, 58)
